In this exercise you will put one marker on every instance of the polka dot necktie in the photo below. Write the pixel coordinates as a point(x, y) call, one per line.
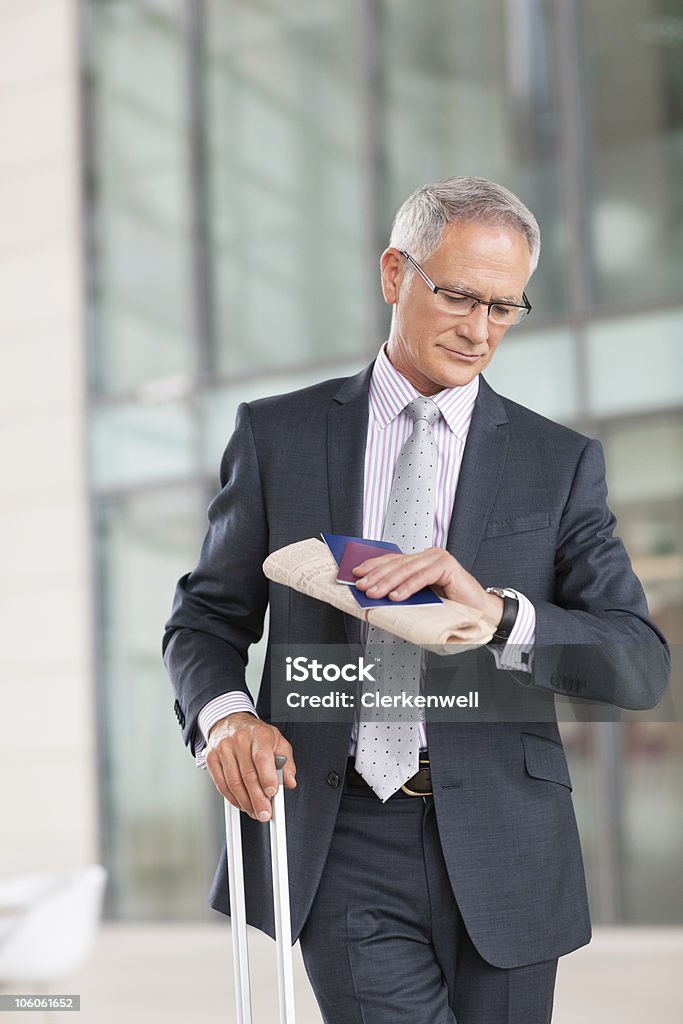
point(388, 744)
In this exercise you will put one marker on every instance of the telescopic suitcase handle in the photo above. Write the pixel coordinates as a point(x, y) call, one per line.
point(283, 928)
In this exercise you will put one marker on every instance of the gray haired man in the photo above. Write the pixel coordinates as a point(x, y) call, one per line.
point(435, 866)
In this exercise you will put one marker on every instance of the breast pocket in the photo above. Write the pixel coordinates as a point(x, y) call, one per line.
point(502, 525)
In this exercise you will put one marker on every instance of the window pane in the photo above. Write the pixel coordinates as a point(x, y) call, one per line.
point(220, 404)
point(539, 371)
point(470, 91)
point(649, 509)
point(652, 767)
point(636, 363)
point(141, 444)
point(157, 808)
point(141, 322)
point(627, 803)
point(286, 186)
point(633, 77)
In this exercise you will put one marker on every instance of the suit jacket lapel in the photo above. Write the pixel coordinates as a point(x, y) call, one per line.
point(480, 475)
point(347, 431)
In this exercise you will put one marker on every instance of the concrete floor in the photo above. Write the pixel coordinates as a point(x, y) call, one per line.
point(178, 974)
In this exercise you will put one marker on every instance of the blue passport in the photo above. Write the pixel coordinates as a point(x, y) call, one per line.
point(337, 542)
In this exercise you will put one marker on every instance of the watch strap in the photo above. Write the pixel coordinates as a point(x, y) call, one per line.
point(509, 616)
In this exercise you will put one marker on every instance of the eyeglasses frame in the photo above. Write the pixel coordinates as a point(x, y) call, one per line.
point(435, 288)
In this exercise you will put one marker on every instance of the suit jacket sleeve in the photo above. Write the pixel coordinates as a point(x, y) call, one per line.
point(219, 608)
point(596, 640)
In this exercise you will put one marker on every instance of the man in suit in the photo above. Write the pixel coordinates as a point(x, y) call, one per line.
point(435, 867)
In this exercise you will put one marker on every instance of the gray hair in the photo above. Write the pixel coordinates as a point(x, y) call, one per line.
point(420, 221)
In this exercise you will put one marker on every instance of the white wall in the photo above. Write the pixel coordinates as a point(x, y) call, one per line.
point(47, 751)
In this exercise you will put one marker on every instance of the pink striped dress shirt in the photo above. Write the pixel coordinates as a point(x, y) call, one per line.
point(388, 429)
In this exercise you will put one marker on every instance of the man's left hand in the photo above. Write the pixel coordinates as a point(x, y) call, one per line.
point(398, 576)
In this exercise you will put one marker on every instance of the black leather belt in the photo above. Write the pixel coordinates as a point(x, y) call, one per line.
point(420, 784)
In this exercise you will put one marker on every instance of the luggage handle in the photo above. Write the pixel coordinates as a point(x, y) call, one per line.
point(283, 927)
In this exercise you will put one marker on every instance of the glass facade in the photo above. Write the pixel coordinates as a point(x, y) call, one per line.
point(244, 163)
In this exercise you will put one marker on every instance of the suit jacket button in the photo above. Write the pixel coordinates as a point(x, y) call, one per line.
point(333, 779)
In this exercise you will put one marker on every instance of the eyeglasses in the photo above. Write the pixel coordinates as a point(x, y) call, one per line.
point(460, 303)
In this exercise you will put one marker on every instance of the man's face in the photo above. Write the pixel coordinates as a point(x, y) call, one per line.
point(436, 350)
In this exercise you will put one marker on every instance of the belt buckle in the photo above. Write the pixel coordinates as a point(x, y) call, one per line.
point(412, 792)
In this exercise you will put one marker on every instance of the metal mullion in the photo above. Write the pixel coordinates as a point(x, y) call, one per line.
point(573, 182)
point(91, 265)
point(368, 45)
point(203, 334)
point(572, 173)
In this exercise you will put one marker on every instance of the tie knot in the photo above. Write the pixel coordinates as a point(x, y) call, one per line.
point(423, 409)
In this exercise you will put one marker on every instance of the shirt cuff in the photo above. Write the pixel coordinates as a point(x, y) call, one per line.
point(517, 653)
point(219, 707)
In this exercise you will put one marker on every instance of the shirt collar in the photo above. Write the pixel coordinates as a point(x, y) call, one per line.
point(390, 392)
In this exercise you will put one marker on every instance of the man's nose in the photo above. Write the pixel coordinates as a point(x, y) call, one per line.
point(475, 326)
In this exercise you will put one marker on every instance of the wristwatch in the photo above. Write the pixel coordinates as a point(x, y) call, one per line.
point(509, 616)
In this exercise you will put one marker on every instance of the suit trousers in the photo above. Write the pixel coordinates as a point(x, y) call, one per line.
point(384, 942)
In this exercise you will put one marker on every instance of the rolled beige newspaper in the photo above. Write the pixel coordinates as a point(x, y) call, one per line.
point(448, 628)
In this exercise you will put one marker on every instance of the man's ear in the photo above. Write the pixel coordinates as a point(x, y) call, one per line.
point(391, 265)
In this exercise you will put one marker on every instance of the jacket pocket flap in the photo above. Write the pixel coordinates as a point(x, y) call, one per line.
point(517, 524)
point(545, 760)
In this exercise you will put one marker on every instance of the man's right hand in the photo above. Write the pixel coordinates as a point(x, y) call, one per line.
point(240, 757)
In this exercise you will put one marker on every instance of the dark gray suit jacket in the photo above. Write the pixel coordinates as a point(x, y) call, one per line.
point(530, 513)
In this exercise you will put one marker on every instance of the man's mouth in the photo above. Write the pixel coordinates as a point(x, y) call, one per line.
point(467, 357)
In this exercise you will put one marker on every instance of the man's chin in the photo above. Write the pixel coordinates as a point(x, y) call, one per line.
point(456, 376)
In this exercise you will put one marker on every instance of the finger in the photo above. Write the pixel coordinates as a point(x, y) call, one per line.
point(215, 770)
point(377, 573)
point(373, 563)
point(231, 800)
point(236, 783)
point(258, 803)
point(264, 761)
point(415, 572)
point(404, 588)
